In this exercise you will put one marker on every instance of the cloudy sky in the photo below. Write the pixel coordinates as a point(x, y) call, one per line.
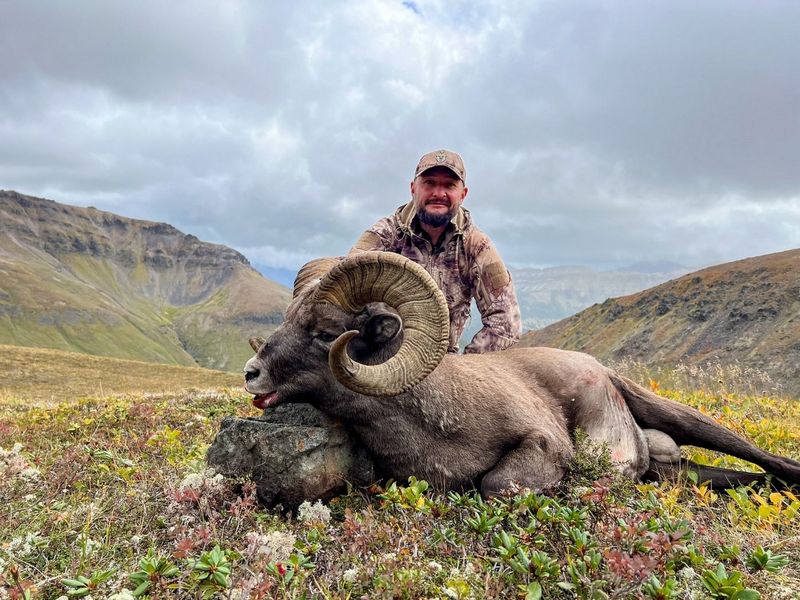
point(594, 133)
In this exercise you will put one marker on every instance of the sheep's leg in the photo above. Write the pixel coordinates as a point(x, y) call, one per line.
point(602, 413)
point(537, 463)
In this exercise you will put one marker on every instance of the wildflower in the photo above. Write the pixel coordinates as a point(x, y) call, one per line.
point(350, 575)
point(281, 569)
point(123, 594)
point(314, 513)
point(434, 566)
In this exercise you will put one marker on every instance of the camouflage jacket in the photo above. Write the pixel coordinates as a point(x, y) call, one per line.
point(465, 264)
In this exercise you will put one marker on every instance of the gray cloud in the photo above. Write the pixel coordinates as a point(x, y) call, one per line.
point(597, 133)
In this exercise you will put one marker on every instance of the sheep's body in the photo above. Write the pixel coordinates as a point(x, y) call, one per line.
point(493, 420)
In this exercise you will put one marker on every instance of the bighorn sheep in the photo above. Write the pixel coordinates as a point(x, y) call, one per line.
point(380, 323)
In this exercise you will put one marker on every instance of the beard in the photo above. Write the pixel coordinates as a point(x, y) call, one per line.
point(434, 220)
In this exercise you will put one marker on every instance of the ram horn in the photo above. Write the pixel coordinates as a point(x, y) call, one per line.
point(412, 292)
point(312, 270)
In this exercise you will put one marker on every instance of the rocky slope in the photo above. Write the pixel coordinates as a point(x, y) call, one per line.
point(745, 312)
point(85, 280)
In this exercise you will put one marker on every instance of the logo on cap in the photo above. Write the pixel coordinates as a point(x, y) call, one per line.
point(442, 158)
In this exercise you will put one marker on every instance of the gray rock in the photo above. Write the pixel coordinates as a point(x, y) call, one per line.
point(292, 453)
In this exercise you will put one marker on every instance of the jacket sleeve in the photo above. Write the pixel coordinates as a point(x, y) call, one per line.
point(497, 303)
point(376, 237)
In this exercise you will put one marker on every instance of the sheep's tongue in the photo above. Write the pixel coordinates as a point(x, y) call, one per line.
point(262, 401)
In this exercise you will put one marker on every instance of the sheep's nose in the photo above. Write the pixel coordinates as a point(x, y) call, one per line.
point(251, 373)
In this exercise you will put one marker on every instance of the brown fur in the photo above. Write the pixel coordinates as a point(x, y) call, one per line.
point(495, 420)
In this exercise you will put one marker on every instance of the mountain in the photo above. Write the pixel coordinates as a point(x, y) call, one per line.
point(547, 295)
point(745, 312)
point(90, 281)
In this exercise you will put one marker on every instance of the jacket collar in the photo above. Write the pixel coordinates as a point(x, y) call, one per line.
point(406, 213)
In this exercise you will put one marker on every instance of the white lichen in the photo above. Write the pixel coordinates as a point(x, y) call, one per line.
point(208, 481)
point(22, 547)
point(276, 546)
point(314, 513)
point(13, 464)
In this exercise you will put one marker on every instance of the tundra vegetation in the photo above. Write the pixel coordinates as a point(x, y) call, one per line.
point(107, 496)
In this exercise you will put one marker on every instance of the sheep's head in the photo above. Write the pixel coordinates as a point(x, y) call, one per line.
point(359, 312)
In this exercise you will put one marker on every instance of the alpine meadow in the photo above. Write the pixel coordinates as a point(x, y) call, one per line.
point(106, 493)
point(399, 300)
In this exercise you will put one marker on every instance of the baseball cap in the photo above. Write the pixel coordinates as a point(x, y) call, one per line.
point(442, 158)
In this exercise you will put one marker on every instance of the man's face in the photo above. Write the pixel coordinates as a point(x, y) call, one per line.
point(437, 194)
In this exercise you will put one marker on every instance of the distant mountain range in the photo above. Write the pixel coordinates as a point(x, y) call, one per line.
point(745, 312)
point(547, 295)
point(89, 281)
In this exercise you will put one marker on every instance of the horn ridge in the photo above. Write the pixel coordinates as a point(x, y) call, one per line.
point(412, 292)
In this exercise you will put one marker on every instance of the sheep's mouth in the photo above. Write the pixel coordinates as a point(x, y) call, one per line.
point(262, 401)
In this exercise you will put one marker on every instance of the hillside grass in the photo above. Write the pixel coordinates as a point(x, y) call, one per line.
point(104, 496)
point(43, 376)
point(67, 310)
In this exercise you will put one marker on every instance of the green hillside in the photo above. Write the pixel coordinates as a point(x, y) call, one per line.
point(744, 313)
point(89, 281)
point(40, 376)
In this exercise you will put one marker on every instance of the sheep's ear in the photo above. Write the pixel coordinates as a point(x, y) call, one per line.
point(256, 343)
point(381, 328)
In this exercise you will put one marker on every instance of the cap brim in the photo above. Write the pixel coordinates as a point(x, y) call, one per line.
point(448, 167)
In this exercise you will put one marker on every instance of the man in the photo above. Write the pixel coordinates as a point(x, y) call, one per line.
point(435, 231)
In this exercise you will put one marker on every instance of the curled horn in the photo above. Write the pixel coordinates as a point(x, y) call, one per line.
point(412, 292)
point(312, 270)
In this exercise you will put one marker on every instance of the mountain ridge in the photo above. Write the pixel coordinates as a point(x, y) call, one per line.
point(745, 311)
point(91, 281)
point(549, 294)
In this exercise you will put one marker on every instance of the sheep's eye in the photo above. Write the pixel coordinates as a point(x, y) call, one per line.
point(325, 336)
